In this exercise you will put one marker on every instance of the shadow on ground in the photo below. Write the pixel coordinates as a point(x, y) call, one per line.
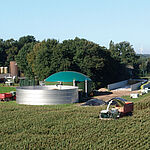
point(99, 93)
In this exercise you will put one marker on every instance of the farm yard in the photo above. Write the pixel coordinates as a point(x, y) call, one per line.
point(74, 79)
point(106, 95)
point(70, 126)
point(84, 64)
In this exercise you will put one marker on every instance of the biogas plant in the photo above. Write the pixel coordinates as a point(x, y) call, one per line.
point(62, 88)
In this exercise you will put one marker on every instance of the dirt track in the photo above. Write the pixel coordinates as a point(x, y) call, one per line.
point(104, 94)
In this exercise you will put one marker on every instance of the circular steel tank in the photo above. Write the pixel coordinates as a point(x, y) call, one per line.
point(46, 95)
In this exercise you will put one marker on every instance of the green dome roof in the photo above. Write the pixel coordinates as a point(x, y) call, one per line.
point(67, 76)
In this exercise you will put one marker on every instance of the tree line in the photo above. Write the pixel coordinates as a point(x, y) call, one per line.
point(40, 59)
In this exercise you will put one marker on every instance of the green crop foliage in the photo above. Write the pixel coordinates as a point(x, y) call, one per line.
point(72, 127)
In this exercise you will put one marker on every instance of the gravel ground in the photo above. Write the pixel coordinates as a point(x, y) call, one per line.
point(105, 95)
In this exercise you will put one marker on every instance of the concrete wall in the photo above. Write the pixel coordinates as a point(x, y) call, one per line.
point(124, 83)
point(136, 86)
point(117, 85)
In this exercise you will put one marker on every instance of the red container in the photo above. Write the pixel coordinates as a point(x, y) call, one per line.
point(5, 96)
point(8, 95)
point(2, 96)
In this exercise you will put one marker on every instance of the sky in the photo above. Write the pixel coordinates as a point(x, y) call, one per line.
point(99, 21)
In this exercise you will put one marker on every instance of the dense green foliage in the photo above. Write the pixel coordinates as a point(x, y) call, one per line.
point(41, 59)
point(21, 58)
point(72, 127)
point(9, 49)
point(3, 55)
point(144, 65)
point(125, 54)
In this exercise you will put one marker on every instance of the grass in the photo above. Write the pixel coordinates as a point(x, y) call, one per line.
point(72, 127)
point(141, 97)
point(7, 89)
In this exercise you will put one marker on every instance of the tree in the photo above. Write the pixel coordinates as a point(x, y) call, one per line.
point(123, 52)
point(40, 58)
point(63, 54)
point(148, 65)
point(9, 49)
point(22, 62)
point(3, 55)
point(25, 39)
point(96, 62)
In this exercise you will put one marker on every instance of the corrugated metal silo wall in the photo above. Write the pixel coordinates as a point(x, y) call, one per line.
point(13, 68)
point(38, 95)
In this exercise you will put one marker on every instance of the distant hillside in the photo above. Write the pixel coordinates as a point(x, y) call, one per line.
point(144, 55)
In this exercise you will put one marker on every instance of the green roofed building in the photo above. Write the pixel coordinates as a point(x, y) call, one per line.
point(71, 78)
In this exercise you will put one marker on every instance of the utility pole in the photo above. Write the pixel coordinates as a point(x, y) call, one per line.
point(141, 51)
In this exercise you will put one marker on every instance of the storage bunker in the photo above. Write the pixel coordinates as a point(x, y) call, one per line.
point(130, 85)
